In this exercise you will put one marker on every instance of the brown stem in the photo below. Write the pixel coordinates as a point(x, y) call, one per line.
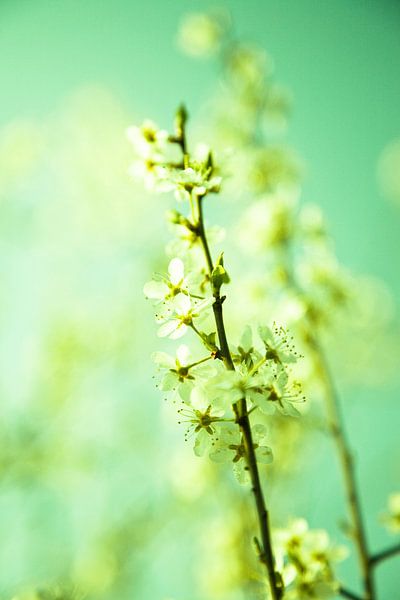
point(218, 299)
point(336, 426)
point(266, 555)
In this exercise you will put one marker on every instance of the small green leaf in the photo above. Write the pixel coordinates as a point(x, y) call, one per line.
point(209, 340)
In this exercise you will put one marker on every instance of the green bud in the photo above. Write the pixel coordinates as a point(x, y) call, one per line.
point(181, 117)
point(219, 276)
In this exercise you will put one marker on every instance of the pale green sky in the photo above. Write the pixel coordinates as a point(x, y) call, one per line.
point(341, 59)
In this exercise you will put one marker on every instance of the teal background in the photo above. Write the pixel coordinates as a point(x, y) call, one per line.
point(341, 61)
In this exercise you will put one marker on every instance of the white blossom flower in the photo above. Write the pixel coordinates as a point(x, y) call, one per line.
point(249, 64)
point(154, 156)
point(245, 353)
point(193, 180)
point(229, 447)
point(180, 316)
point(269, 223)
point(200, 34)
point(181, 372)
point(186, 243)
point(204, 420)
point(269, 169)
point(147, 139)
point(153, 175)
point(325, 283)
point(278, 344)
point(232, 386)
point(278, 394)
point(168, 288)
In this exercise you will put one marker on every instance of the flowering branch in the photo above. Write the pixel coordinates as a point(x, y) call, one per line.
point(245, 381)
point(250, 379)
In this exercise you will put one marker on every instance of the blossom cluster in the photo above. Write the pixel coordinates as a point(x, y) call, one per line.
point(306, 559)
point(164, 166)
point(295, 245)
point(205, 390)
point(184, 298)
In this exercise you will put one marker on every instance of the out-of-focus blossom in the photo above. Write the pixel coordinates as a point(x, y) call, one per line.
point(391, 518)
point(201, 34)
point(306, 558)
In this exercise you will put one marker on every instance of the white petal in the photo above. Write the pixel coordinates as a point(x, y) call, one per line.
point(181, 194)
point(199, 399)
point(289, 409)
point(199, 190)
point(265, 334)
point(256, 398)
point(168, 327)
point(176, 270)
point(202, 443)
point(299, 526)
point(135, 136)
point(203, 305)
point(163, 183)
point(155, 289)
point(163, 359)
point(185, 390)
point(183, 354)
point(182, 304)
point(180, 330)
point(169, 382)
point(246, 341)
point(204, 371)
point(267, 407)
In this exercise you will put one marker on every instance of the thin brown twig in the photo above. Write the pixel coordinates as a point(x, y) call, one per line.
point(336, 426)
point(242, 418)
point(348, 594)
point(375, 559)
